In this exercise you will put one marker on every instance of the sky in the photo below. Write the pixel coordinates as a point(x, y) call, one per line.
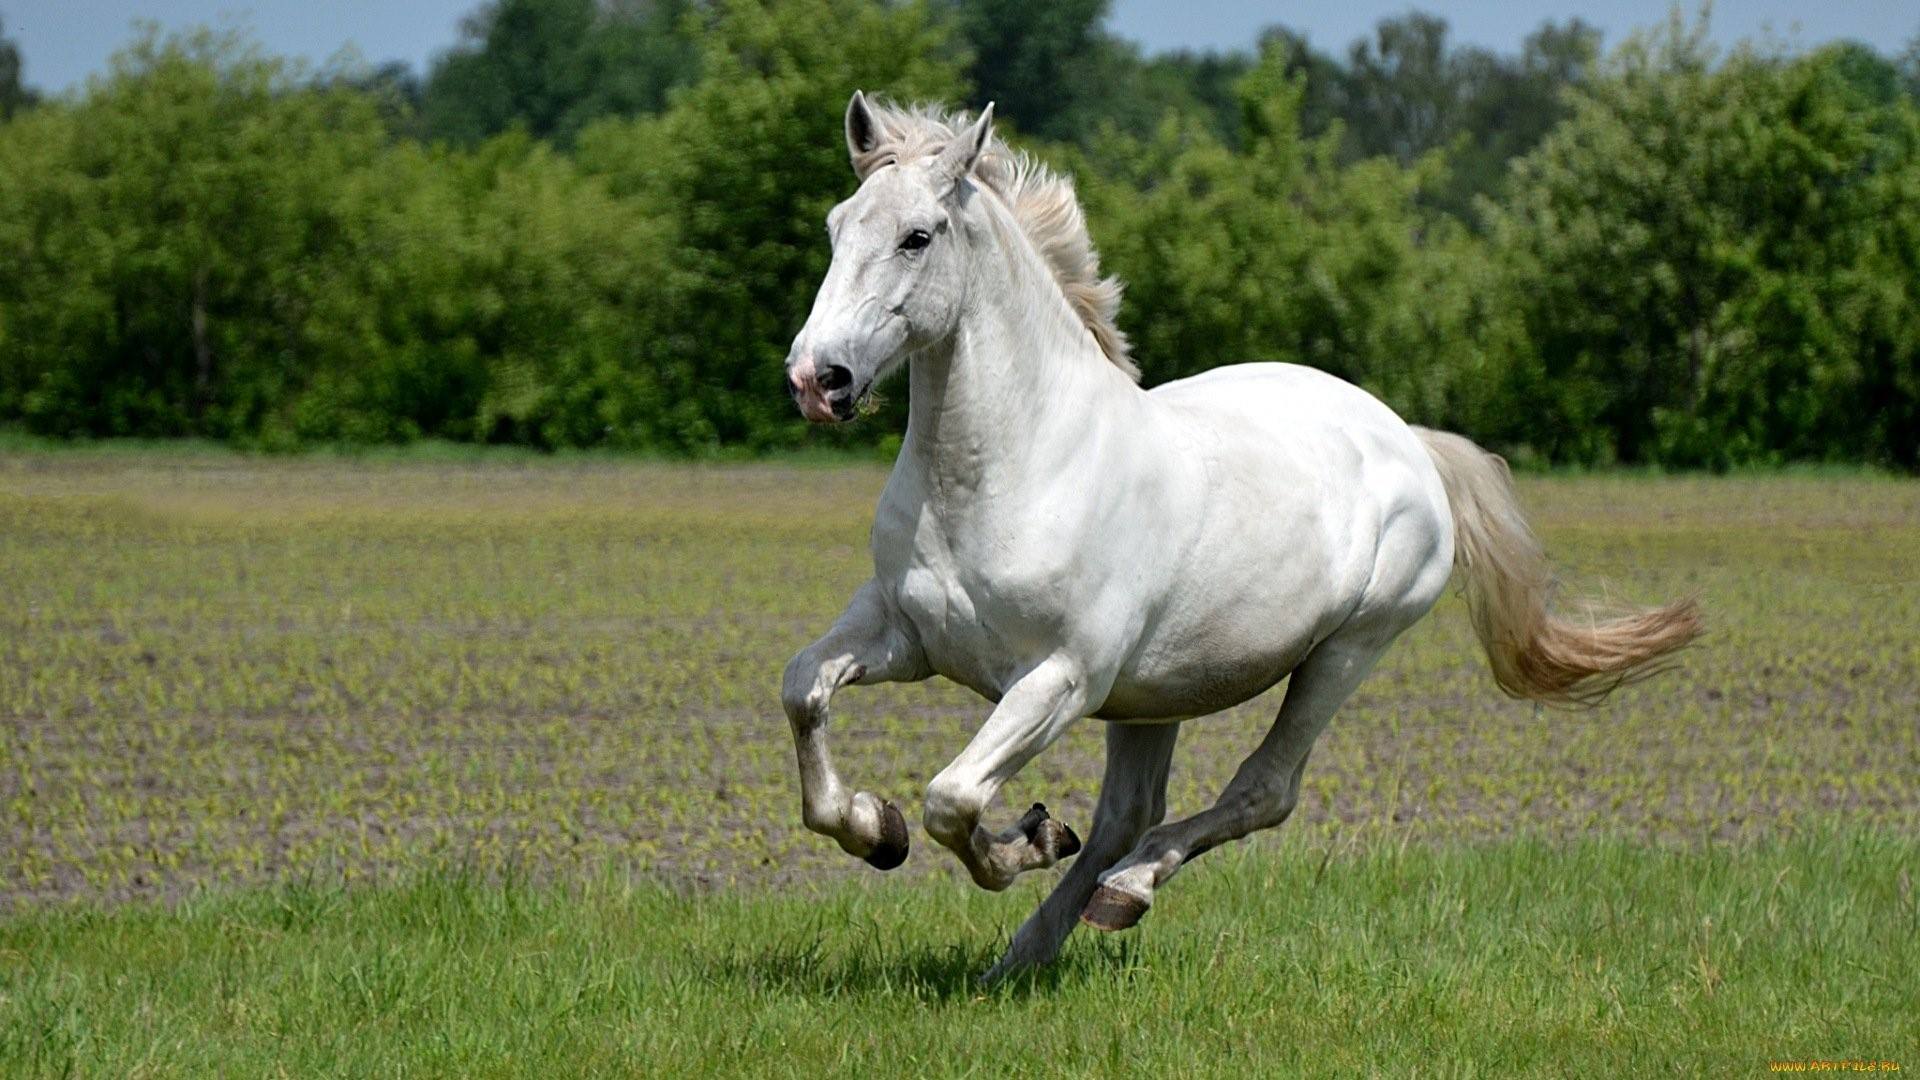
point(64, 41)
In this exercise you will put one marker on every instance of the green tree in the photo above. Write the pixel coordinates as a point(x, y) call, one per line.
point(208, 245)
point(1323, 81)
point(1702, 256)
point(1057, 74)
point(159, 239)
point(553, 66)
point(1407, 92)
point(1510, 106)
point(397, 90)
point(492, 295)
point(14, 95)
point(745, 165)
point(1032, 60)
point(1888, 357)
point(1281, 252)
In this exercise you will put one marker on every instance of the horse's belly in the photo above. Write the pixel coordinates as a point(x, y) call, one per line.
point(1196, 689)
point(1209, 658)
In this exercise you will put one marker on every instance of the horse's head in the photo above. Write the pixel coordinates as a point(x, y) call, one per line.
point(898, 276)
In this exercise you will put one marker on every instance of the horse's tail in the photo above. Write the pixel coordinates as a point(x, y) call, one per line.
point(1535, 653)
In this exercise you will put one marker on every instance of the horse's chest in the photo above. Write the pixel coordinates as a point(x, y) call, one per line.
point(979, 616)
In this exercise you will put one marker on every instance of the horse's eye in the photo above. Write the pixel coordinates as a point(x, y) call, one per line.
point(916, 240)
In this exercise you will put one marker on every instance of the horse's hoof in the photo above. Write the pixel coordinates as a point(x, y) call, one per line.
point(891, 851)
point(1048, 833)
point(1110, 909)
point(1069, 841)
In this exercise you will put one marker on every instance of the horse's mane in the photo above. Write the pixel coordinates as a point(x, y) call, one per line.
point(1042, 202)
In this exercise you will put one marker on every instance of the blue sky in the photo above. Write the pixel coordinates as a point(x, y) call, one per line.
point(63, 41)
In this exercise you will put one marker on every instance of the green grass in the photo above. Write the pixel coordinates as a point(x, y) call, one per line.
point(223, 675)
point(1596, 958)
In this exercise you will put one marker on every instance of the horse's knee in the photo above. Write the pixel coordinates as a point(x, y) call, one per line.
point(1279, 799)
point(796, 686)
point(1265, 812)
point(952, 810)
point(1280, 809)
point(809, 683)
point(802, 691)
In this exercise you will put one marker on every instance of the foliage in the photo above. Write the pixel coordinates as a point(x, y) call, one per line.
point(166, 239)
point(14, 95)
point(1031, 59)
point(494, 296)
point(1714, 263)
point(745, 165)
point(553, 66)
point(1406, 94)
point(1280, 252)
point(205, 247)
point(598, 222)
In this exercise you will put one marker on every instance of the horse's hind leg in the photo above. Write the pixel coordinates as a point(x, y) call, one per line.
point(1262, 793)
point(1133, 798)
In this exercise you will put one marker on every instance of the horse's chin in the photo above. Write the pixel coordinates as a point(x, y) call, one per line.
point(817, 411)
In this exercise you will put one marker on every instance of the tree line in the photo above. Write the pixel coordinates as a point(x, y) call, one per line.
point(599, 223)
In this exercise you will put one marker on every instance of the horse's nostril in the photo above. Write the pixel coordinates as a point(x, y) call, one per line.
point(835, 377)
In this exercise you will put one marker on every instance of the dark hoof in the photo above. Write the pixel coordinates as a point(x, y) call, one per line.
point(891, 851)
point(1048, 833)
point(1069, 842)
point(1110, 909)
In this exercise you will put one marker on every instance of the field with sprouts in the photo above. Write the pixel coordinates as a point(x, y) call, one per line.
point(300, 715)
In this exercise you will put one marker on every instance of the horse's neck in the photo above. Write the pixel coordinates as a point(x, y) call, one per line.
point(1014, 392)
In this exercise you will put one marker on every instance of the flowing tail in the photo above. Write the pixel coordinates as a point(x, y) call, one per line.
point(1535, 653)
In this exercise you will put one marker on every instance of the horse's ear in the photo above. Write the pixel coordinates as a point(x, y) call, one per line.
point(862, 133)
point(958, 159)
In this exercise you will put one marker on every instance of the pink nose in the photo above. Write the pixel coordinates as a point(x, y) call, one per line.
point(804, 378)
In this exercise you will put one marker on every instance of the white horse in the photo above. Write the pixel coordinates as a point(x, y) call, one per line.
point(1069, 545)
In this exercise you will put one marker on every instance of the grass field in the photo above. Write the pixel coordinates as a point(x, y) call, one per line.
point(476, 765)
point(1597, 958)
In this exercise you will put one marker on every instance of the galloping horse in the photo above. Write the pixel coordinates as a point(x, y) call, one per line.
point(1068, 544)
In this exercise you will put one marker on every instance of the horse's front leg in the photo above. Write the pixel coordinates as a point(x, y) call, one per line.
point(864, 646)
point(1030, 716)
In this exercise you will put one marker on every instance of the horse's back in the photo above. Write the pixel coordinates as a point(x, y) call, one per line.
point(1291, 401)
point(1293, 418)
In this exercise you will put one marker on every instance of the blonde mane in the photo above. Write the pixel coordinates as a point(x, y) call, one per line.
point(1041, 200)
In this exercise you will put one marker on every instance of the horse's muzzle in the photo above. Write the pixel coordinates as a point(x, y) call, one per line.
point(825, 394)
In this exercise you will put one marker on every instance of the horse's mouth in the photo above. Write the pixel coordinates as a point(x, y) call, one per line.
point(834, 407)
point(846, 407)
